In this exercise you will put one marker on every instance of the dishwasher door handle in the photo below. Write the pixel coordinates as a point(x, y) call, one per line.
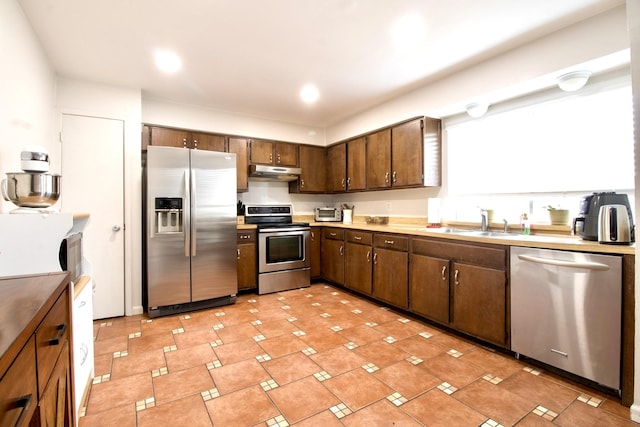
point(560, 263)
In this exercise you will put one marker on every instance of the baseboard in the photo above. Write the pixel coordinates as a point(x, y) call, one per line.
point(635, 413)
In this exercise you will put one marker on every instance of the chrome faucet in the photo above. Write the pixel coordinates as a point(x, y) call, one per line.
point(484, 222)
point(506, 225)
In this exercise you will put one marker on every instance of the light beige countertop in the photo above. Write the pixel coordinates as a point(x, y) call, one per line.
point(546, 241)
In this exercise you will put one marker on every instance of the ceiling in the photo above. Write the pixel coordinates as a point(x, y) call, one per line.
point(252, 57)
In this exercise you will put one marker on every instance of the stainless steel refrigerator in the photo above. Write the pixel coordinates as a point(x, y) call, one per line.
point(191, 247)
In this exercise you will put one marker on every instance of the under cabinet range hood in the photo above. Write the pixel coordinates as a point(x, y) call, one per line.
point(273, 173)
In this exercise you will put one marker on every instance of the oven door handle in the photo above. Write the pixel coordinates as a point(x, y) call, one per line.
point(283, 229)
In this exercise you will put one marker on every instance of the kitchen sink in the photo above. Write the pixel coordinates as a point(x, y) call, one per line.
point(468, 232)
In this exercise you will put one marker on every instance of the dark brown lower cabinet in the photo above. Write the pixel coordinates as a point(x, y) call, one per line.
point(333, 255)
point(358, 274)
point(479, 302)
point(247, 260)
point(429, 287)
point(391, 269)
point(316, 248)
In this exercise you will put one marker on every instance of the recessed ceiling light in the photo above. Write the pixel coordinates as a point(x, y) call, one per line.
point(167, 61)
point(408, 30)
point(309, 94)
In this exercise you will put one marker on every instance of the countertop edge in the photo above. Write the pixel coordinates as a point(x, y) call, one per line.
point(573, 243)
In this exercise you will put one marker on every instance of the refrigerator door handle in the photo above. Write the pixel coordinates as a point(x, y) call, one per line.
point(194, 220)
point(186, 227)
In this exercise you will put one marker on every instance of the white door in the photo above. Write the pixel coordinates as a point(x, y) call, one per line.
point(93, 182)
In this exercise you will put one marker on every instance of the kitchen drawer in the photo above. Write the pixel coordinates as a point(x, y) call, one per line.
point(391, 241)
point(247, 236)
point(361, 237)
point(18, 389)
point(50, 338)
point(493, 256)
point(333, 233)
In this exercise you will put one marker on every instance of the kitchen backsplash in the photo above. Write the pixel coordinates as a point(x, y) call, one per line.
point(413, 202)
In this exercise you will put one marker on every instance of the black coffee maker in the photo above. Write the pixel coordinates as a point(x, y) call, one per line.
point(586, 223)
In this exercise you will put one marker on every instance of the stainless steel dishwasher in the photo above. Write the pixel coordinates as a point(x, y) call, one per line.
point(566, 311)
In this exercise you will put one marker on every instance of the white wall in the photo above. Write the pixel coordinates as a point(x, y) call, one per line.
point(506, 75)
point(633, 20)
point(27, 88)
point(205, 119)
point(85, 98)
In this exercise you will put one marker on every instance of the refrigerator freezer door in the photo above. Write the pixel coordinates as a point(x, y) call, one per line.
point(214, 249)
point(168, 262)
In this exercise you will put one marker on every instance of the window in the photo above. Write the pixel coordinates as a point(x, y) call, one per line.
point(578, 143)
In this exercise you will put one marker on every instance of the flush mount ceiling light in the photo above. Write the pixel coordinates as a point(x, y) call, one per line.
point(477, 109)
point(573, 81)
point(309, 94)
point(167, 61)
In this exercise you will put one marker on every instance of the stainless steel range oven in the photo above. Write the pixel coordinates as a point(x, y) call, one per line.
point(283, 248)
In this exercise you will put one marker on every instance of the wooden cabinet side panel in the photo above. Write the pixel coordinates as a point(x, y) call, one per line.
point(432, 152)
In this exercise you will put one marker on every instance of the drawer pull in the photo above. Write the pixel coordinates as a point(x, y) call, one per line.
point(388, 242)
point(62, 329)
point(82, 304)
point(333, 234)
point(245, 236)
point(22, 402)
point(358, 238)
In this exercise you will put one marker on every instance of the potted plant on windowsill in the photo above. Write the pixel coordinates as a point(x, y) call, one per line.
point(558, 216)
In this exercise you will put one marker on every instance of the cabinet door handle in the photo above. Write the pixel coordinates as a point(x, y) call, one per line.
point(61, 331)
point(388, 242)
point(313, 235)
point(278, 158)
point(301, 183)
point(386, 177)
point(22, 402)
point(238, 253)
point(368, 256)
point(375, 258)
point(342, 183)
point(195, 143)
point(395, 177)
point(444, 272)
point(341, 250)
point(184, 142)
point(357, 238)
point(348, 181)
point(270, 157)
point(455, 277)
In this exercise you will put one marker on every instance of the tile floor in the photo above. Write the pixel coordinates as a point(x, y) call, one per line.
point(319, 356)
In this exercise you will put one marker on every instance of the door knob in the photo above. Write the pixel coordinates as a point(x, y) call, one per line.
point(116, 228)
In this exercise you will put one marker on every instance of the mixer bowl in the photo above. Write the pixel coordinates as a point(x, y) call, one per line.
point(31, 190)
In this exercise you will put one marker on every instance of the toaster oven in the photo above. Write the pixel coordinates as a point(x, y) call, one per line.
point(328, 214)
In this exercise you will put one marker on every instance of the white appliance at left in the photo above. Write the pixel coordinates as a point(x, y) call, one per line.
point(30, 242)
